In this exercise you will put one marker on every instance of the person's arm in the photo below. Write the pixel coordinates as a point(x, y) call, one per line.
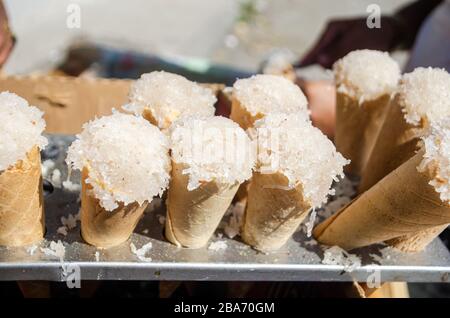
point(343, 36)
point(7, 39)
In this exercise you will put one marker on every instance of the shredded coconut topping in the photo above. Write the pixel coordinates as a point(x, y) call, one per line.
point(425, 94)
point(126, 157)
point(212, 149)
point(141, 252)
point(337, 256)
point(436, 158)
point(263, 94)
point(169, 97)
point(32, 249)
point(290, 145)
point(20, 130)
point(217, 246)
point(70, 186)
point(46, 167)
point(55, 249)
point(366, 74)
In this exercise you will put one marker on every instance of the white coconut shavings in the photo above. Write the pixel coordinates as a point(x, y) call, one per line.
point(62, 230)
point(366, 74)
point(310, 223)
point(32, 249)
point(70, 186)
point(376, 258)
point(425, 94)
point(68, 223)
point(56, 178)
point(290, 145)
point(55, 249)
point(233, 226)
point(263, 94)
point(141, 252)
point(217, 246)
point(337, 256)
point(126, 157)
point(436, 158)
point(46, 167)
point(212, 149)
point(20, 130)
point(169, 97)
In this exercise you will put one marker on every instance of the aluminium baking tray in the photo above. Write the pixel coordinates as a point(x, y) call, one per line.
point(299, 260)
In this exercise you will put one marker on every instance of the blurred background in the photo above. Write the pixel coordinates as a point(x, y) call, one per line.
point(196, 33)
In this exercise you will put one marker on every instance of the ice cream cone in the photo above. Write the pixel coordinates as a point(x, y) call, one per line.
point(273, 212)
point(193, 216)
point(263, 94)
point(103, 228)
point(293, 174)
point(396, 143)
point(357, 128)
point(211, 157)
point(124, 163)
point(421, 98)
point(401, 208)
point(240, 115)
point(21, 202)
point(365, 80)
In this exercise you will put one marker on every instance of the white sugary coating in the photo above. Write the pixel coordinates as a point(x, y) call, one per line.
point(127, 159)
point(436, 158)
point(290, 145)
point(20, 129)
point(425, 94)
point(366, 74)
point(263, 94)
point(168, 97)
point(213, 149)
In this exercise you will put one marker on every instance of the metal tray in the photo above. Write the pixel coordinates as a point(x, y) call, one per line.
point(299, 260)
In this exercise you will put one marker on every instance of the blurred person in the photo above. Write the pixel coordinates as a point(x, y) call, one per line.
point(422, 26)
point(424, 17)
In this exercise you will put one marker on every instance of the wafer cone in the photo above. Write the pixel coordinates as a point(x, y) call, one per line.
point(193, 216)
point(401, 206)
point(240, 115)
point(22, 220)
point(103, 228)
point(416, 242)
point(357, 128)
point(273, 213)
point(396, 143)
